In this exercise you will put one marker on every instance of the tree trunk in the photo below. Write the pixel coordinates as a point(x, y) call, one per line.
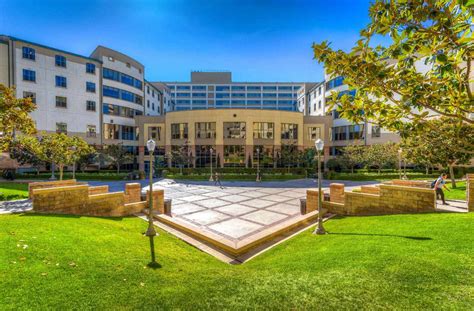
point(352, 169)
point(379, 169)
point(427, 170)
point(61, 168)
point(451, 175)
point(118, 168)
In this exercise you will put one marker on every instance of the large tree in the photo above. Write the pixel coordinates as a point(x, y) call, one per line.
point(380, 155)
point(446, 144)
point(392, 90)
point(14, 116)
point(117, 154)
point(352, 155)
point(59, 148)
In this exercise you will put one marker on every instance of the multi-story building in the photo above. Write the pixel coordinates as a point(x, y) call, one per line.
point(167, 100)
point(215, 90)
point(237, 137)
point(153, 100)
point(65, 86)
point(311, 99)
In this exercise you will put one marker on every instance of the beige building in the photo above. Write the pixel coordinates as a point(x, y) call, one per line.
point(234, 135)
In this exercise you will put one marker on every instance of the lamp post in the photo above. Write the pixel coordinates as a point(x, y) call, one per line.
point(400, 163)
point(53, 168)
point(151, 233)
point(258, 166)
point(73, 149)
point(210, 177)
point(319, 144)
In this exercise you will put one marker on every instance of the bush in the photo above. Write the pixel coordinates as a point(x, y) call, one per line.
point(335, 164)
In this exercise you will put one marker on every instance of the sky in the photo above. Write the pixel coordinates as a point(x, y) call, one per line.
point(267, 41)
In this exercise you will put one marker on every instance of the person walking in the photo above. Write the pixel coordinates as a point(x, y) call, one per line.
point(439, 184)
point(217, 180)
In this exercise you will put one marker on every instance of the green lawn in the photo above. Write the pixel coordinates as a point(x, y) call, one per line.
point(388, 262)
point(456, 194)
point(13, 191)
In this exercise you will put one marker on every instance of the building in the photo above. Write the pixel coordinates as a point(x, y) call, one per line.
point(215, 90)
point(234, 135)
point(153, 100)
point(65, 86)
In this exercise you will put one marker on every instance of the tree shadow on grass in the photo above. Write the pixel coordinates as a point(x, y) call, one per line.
point(418, 238)
point(36, 214)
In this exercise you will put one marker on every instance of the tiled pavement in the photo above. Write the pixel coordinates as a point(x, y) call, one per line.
point(232, 212)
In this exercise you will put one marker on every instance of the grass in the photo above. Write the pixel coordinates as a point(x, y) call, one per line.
point(13, 191)
point(387, 262)
point(456, 194)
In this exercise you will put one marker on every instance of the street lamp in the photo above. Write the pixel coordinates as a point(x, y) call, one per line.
point(151, 233)
point(73, 149)
point(210, 177)
point(400, 163)
point(258, 166)
point(53, 168)
point(319, 144)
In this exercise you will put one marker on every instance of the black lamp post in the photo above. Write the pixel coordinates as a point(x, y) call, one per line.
point(151, 232)
point(210, 177)
point(319, 144)
point(258, 166)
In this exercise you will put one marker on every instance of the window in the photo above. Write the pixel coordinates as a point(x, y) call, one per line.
point(61, 127)
point(222, 95)
point(90, 105)
point(234, 130)
point(182, 87)
point(111, 131)
point(286, 95)
point(263, 130)
point(29, 75)
point(254, 88)
point(152, 106)
point(319, 90)
point(91, 131)
point(90, 68)
point(339, 133)
point(238, 95)
point(314, 133)
point(206, 130)
point(60, 61)
point(254, 102)
point(234, 155)
point(61, 102)
point(90, 87)
point(338, 81)
point(30, 95)
point(29, 53)
point(122, 94)
point(204, 156)
point(289, 131)
point(152, 93)
point(179, 131)
point(199, 95)
point(375, 131)
point(264, 156)
point(319, 105)
point(61, 81)
point(128, 132)
point(222, 88)
point(199, 87)
point(269, 88)
point(238, 88)
point(183, 95)
point(254, 95)
point(269, 95)
point(148, 103)
point(121, 77)
point(284, 88)
point(154, 132)
point(356, 131)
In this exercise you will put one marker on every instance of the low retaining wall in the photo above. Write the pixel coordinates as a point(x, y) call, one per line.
point(381, 200)
point(50, 184)
point(93, 201)
point(410, 183)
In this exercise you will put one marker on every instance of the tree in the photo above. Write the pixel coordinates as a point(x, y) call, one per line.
point(118, 155)
point(447, 144)
point(289, 155)
point(87, 159)
point(182, 156)
point(24, 155)
point(309, 156)
point(352, 155)
point(391, 90)
point(58, 148)
point(14, 116)
point(380, 155)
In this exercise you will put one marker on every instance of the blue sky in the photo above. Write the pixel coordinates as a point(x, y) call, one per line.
point(257, 40)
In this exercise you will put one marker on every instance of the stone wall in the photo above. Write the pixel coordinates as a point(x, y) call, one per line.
point(336, 193)
point(470, 192)
point(158, 201)
point(410, 183)
point(370, 189)
point(92, 201)
point(312, 200)
point(49, 184)
point(98, 189)
point(382, 200)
